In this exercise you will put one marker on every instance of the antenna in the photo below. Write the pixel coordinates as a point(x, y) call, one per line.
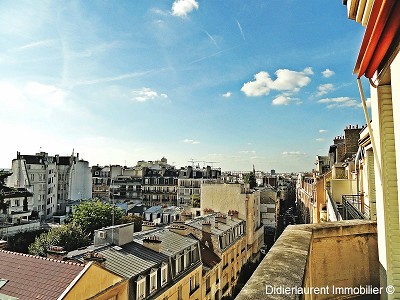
point(212, 163)
point(194, 161)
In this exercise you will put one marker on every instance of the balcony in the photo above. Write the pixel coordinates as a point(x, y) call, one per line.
point(336, 257)
point(354, 207)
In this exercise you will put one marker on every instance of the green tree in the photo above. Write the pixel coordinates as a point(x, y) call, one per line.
point(92, 215)
point(137, 220)
point(70, 237)
point(21, 241)
point(250, 178)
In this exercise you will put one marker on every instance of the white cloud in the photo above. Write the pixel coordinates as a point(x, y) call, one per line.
point(340, 102)
point(368, 102)
point(227, 94)
point(322, 130)
point(294, 153)
point(190, 141)
point(285, 100)
point(181, 8)
point(247, 152)
point(146, 94)
point(328, 73)
point(325, 89)
point(286, 80)
point(320, 140)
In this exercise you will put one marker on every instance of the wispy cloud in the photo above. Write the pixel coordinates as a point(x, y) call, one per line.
point(37, 44)
point(320, 140)
point(241, 30)
point(211, 38)
point(328, 73)
point(294, 153)
point(325, 89)
point(247, 152)
point(322, 130)
point(211, 55)
point(146, 94)
point(286, 80)
point(181, 8)
point(227, 95)
point(113, 78)
point(190, 141)
point(339, 102)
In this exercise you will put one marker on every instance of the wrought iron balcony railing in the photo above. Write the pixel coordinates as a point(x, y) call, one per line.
point(354, 208)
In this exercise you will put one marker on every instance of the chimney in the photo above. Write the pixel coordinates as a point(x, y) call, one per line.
point(206, 226)
point(179, 228)
point(146, 225)
point(56, 252)
point(233, 213)
point(153, 243)
point(94, 256)
point(220, 218)
point(3, 244)
point(186, 215)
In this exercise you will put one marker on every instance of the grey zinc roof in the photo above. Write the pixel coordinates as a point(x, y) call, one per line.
point(154, 209)
point(230, 223)
point(172, 243)
point(131, 260)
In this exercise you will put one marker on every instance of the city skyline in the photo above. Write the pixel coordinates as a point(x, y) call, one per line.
point(258, 83)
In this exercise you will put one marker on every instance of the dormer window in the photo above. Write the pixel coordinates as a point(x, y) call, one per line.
point(153, 280)
point(141, 288)
point(164, 274)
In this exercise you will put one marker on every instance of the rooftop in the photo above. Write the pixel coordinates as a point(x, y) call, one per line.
point(32, 277)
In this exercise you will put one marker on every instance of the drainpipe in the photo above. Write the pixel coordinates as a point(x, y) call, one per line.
point(364, 104)
point(356, 162)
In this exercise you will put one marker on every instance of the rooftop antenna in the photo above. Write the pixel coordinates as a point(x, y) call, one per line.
point(212, 163)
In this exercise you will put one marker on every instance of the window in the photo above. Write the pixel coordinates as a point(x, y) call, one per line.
point(187, 259)
point(180, 293)
point(164, 274)
point(178, 264)
point(153, 281)
point(32, 177)
point(141, 288)
point(208, 287)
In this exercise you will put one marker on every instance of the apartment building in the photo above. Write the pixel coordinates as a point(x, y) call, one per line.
point(189, 185)
point(53, 180)
point(237, 197)
point(223, 238)
point(158, 264)
point(160, 186)
point(13, 205)
point(379, 61)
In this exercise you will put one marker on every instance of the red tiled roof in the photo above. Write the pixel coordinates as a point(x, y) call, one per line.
point(34, 277)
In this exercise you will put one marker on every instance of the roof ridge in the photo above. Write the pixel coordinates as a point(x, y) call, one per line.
point(43, 258)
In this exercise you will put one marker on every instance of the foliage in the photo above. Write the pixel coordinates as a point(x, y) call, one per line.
point(70, 237)
point(92, 215)
point(133, 218)
point(250, 178)
point(196, 200)
point(21, 241)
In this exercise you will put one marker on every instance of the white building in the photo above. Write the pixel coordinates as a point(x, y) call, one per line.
point(53, 180)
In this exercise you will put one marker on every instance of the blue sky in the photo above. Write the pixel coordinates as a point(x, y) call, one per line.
point(234, 82)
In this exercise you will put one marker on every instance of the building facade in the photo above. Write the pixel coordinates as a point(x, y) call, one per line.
point(53, 180)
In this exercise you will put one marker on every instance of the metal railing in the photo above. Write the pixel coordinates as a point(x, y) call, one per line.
point(354, 208)
point(335, 207)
